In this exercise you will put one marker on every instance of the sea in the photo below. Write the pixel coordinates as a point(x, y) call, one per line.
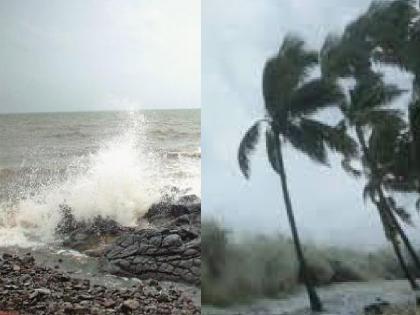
point(113, 164)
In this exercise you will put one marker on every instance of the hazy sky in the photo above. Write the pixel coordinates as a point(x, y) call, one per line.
point(237, 39)
point(99, 54)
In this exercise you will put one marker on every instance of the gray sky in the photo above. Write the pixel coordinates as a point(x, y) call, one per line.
point(236, 41)
point(99, 54)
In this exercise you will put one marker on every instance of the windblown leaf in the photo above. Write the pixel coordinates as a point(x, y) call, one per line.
point(246, 147)
point(284, 72)
point(343, 56)
point(379, 117)
point(307, 141)
point(315, 95)
point(335, 137)
point(371, 92)
point(273, 150)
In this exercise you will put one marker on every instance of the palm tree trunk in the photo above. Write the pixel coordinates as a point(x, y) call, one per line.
point(404, 266)
point(388, 213)
point(404, 236)
point(314, 300)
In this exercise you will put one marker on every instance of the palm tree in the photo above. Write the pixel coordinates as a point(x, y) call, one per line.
point(393, 30)
point(290, 103)
point(351, 56)
point(367, 113)
point(382, 146)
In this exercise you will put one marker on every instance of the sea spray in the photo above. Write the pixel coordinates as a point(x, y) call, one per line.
point(120, 180)
point(242, 268)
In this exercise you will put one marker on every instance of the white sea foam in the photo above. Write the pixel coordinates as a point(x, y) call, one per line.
point(121, 180)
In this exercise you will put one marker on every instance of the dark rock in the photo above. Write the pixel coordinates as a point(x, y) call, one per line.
point(87, 235)
point(185, 211)
point(189, 200)
point(68, 307)
point(7, 256)
point(130, 305)
point(377, 308)
point(108, 303)
point(28, 259)
point(164, 254)
point(41, 290)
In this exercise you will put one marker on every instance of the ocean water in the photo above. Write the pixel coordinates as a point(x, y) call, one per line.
point(113, 164)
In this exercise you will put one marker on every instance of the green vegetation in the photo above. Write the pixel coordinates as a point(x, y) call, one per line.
point(237, 271)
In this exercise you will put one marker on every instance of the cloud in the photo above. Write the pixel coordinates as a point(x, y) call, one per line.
point(74, 55)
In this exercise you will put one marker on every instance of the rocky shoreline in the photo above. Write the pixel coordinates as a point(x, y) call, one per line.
point(26, 288)
point(165, 245)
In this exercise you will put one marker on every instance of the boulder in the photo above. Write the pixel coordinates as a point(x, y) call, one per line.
point(91, 236)
point(184, 211)
point(172, 254)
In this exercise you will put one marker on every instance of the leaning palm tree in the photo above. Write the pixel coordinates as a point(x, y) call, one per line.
point(350, 56)
point(290, 103)
point(382, 146)
point(367, 112)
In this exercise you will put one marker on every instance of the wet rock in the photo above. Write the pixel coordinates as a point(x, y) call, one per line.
point(68, 307)
point(108, 303)
point(158, 253)
point(189, 200)
point(40, 290)
point(184, 211)
point(91, 236)
point(43, 291)
point(169, 249)
point(130, 305)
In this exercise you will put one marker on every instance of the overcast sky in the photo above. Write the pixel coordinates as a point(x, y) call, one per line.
point(236, 41)
point(99, 54)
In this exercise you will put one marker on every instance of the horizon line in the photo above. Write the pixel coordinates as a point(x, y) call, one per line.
point(100, 110)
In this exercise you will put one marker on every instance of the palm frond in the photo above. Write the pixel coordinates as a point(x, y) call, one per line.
point(293, 50)
point(384, 141)
point(336, 138)
point(284, 72)
point(247, 146)
point(371, 92)
point(315, 95)
point(273, 150)
point(388, 27)
point(343, 56)
point(379, 117)
point(309, 142)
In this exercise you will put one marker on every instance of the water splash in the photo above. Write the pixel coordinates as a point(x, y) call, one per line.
point(121, 180)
